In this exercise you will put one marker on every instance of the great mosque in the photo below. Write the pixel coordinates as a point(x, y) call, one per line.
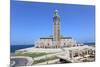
point(55, 41)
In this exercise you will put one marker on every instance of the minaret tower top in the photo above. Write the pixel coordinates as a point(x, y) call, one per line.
point(56, 17)
point(56, 13)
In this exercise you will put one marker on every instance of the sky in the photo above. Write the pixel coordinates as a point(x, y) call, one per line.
point(32, 20)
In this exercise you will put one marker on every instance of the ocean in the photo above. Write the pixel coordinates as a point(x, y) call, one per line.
point(13, 48)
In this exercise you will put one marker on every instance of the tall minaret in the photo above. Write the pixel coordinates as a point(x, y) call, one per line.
point(56, 33)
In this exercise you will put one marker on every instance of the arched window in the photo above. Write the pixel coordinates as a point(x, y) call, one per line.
point(56, 46)
point(48, 44)
point(64, 44)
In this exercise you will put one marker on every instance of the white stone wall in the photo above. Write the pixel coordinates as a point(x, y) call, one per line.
point(43, 43)
point(67, 42)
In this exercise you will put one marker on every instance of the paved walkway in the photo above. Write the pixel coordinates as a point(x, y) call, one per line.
point(45, 56)
point(49, 62)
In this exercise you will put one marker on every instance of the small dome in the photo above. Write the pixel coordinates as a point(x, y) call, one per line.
point(56, 11)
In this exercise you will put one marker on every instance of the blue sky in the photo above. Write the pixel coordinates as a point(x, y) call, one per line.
point(32, 20)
